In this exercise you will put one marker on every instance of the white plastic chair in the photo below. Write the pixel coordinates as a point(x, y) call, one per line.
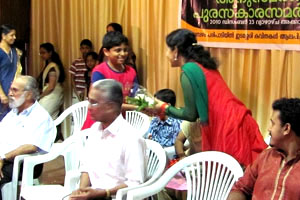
point(79, 113)
point(138, 120)
point(210, 175)
point(70, 149)
point(156, 164)
point(9, 191)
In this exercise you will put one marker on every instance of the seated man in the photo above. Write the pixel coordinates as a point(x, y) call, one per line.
point(27, 128)
point(114, 154)
point(275, 173)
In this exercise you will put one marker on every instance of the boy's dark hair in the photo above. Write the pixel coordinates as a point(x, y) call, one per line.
point(289, 112)
point(86, 42)
point(117, 27)
point(93, 54)
point(112, 39)
point(167, 96)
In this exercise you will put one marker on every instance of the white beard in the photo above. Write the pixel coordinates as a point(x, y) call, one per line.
point(15, 103)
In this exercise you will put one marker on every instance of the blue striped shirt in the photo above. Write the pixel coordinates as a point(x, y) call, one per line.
point(164, 132)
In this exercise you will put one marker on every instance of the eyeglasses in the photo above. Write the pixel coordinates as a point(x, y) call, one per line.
point(93, 103)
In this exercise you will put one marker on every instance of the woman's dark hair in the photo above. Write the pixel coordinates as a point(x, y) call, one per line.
point(54, 58)
point(5, 28)
point(112, 39)
point(186, 43)
point(117, 27)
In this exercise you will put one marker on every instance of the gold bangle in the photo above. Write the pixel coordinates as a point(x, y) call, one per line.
point(107, 193)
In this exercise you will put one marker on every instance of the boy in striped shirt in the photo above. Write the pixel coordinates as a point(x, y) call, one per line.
point(78, 69)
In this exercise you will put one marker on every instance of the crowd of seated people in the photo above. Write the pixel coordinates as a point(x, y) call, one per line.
point(106, 79)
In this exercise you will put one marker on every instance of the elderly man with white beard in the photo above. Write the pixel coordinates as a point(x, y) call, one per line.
point(27, 128)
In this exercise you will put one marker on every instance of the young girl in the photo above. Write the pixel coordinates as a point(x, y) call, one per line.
point(91, 61)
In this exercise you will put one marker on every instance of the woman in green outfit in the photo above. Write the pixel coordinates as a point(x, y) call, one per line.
point(226, 124)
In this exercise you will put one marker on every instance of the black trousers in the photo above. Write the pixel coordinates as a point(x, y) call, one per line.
point(7, 171)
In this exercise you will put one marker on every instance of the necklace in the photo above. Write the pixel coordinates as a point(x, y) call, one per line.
point(10, 56)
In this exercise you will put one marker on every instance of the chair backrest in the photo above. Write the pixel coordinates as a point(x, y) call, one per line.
point(138, 120)
point(209, 175)
point(156, 164)
point(73, 153)
point(79, 113)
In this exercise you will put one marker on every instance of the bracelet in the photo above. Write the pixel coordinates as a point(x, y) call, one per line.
point(163, 108)
point(162, 113)
point(107, 193)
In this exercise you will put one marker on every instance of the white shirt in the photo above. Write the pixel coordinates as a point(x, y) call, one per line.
point(114, 156)
point(33, 126)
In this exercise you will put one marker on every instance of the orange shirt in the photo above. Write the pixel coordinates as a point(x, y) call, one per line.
point(271, 177)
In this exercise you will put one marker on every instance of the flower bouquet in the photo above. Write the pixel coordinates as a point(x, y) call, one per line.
point(141, 97)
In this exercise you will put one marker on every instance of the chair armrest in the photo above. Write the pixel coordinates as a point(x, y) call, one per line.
point(156, 186)
point(30, 162)
point(143, 192)
point(71, 180)
point(62, 117)
point(18, 160)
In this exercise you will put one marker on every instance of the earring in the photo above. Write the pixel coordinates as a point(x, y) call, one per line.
point(175, 58)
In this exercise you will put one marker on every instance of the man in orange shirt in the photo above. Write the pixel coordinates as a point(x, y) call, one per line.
point(275, 173)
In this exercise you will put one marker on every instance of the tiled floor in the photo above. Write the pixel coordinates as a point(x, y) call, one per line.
point(53, 172)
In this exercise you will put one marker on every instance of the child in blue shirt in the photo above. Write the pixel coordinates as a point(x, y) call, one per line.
point(165, 131)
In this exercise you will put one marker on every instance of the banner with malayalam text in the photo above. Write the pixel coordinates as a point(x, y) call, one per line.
point(251, 24)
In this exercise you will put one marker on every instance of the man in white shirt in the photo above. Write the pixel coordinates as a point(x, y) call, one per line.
point(114, 155)
point(27, 128)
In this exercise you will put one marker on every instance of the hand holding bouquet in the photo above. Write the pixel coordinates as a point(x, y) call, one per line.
point(141, 98)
